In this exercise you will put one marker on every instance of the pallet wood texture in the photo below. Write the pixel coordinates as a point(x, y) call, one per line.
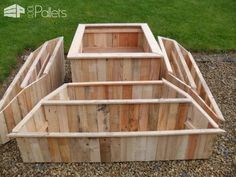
point(74, 124)
point(23, 102)
point(180, 64)
point(115, 52)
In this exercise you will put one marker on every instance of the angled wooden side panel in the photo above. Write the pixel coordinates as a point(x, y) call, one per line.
point(177, 82)
point(14, 87)
point(24, 101)
point(177, 61)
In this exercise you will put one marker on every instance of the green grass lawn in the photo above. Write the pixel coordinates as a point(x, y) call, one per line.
point(198, 25)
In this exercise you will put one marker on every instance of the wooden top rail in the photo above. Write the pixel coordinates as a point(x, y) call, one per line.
point(116, 134)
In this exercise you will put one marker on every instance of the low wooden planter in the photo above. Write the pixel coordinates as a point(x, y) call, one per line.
point(115, 52)
point(116, 121)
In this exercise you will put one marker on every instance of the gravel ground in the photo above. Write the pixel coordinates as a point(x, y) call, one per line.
point(219, 70)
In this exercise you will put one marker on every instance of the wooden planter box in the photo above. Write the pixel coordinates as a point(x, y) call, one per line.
point(115, 52)
point(116, 121)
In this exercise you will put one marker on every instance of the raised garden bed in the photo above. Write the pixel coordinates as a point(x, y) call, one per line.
point(129, 100)
point(115, 52)
point(124, 121)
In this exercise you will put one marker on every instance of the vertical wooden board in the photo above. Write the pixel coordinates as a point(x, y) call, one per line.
point(31, 125)
point(153, 117)
point(181, 146)
point(64, 149)
point(16, 111)
point(132, 39)
point(54, 150)
point(85, 72)
point(51, 117)
point(192, 143)
point(115, 40)
point(75, 150)
point(127, 69)
point(172, 116)
point(73, 120)
point(181, 116)
point(134, 117)
point(140, 148)
point(23, 103)
point(123, 149)
point(109, 39)
point(23, 151)
point(105, 149)
point(114, 118)
point(157, 91)
point(115, 149)
point(92, 66)
point(143, 117)
point(137, 91)
point(36, 150)
point(162, 116)
point(85, 40)
point(117, 69)
point(131, 145)
point(62, 118)
point(92, 118)
point(147, 91)
point(43, 143)
point(110, 69)
point(90, 92)
point(100, 40)
point(3, 129)
point(171, 147)
point(208, 148)
point(124, 117)
point(9, 118)
point(101, 70)
point(146, 47)
point(197, 118)
point(145, 69)
point(103, 118)
point(91, 40)
point(71, 92)
point(26, 148)
point(161, 147)
point(39, 119)
point(127, 92)
point(94, 150)
point(80, 93)
point(140, 40)
point(117, 92)
point(123, 39)
point(83, 119)
point(151, 148)
point(136, 63)
point(76, 71)
point(200, 147)
point(155, 69)
point(101, 92)
point(84, 151)
point(63, 95)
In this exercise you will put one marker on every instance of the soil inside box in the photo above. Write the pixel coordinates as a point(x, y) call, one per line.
point(114, 40)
